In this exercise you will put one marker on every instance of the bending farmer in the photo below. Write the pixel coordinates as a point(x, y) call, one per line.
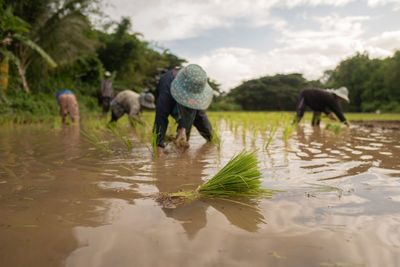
point(131, 103)
point(68, 105)
point(184, 94)
point(320, 100)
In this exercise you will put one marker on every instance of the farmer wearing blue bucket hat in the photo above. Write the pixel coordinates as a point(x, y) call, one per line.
point(185, 95)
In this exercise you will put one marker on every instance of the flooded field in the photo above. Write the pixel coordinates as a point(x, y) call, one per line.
point(66, 200)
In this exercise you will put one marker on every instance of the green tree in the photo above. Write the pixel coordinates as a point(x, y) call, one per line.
point(12, 29)
point(277, 92)
point(59, 27)
point(136, 64)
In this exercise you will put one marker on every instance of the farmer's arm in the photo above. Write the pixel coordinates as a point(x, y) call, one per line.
point(334, 106)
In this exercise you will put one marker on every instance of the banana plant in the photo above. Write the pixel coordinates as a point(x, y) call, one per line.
point(12, 29)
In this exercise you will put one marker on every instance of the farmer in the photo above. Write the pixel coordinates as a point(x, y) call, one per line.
point(106, 91)
point(131, 103)
point(320, 100)
point(184, 94)
point(68, 105)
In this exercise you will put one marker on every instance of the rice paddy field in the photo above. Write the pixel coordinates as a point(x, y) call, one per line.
point(86, 194)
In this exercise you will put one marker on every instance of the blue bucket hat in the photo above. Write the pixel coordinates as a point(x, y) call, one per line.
point(190, 88)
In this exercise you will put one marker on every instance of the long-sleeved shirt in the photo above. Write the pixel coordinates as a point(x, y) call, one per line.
point(322, 100)
point(166, 106)
point(106, 88)
point(126, 101)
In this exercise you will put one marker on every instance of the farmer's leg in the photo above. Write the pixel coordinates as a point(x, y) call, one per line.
point(316, 118)
point(203, 125)
point(73, 108)
point(106, 104)
point(63, 102)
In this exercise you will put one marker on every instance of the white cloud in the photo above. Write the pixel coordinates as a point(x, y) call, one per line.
point(166, 20)
point(383, 45)
point(375, 3)
point(307, 52)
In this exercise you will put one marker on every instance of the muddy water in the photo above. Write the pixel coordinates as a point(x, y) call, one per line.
point(65, 203)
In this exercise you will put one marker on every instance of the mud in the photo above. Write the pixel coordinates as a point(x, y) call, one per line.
point(64, 202)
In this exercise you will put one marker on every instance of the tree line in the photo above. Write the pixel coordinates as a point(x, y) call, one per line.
point(49, 45)
point(373, 84)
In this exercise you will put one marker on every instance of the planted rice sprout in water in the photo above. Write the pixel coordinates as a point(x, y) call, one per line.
point(287, 130)
point(97, 139)
point(153, 142)
point(334, 127)
point(240, 177)
point(121, 135)
point(270, 137)
point(215, 137)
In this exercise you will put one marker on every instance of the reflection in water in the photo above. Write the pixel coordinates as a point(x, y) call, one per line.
point(188, 168)
point(63, 204)
point(357, 155)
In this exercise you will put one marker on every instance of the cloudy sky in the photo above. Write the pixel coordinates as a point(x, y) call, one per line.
point(237, 40)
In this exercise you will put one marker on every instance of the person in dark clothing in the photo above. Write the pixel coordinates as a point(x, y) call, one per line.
point(185, 95)
point(106, 91)
point(320, 100)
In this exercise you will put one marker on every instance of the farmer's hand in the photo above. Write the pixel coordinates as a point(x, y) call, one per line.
point(331, 117)
point(181, 140)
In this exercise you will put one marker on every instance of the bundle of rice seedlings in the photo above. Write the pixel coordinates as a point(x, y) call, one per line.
point(240, 177)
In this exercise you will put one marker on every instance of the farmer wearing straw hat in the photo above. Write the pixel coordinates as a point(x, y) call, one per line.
point(320, 100)
point(68, 105)
point(106, 91)
point(131, 103)
point(185, 95)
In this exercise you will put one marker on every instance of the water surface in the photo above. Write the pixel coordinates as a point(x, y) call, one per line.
point(64, 202)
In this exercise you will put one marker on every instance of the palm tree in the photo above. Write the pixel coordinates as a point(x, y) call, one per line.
point(11, 29)
point(59, 27)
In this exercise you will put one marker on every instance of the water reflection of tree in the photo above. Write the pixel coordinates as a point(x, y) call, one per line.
point(171, 174)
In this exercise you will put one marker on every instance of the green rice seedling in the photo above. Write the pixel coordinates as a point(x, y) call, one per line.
point(255, 130)
point(334, 127)
point(287, 131)
point(121, 135)
point(324, 188)
point(153, 143)
point(97, 139)
point(271, 134)
point(215, 136)
point(240, 177)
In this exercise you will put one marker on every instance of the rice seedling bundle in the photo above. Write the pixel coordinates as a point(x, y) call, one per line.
point(240, 177)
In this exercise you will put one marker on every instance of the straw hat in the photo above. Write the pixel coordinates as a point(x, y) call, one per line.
point(147, 100)
point(107, 73)
point(190, 88)
point(343, 93)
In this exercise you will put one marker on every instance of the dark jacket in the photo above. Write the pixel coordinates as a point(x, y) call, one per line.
point(322, 101)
